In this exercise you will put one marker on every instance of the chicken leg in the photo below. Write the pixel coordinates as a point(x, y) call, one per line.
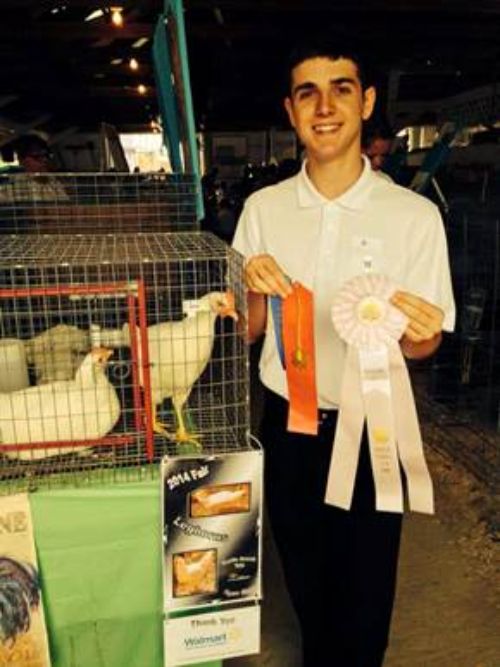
point(159, 427)
point(182, 435)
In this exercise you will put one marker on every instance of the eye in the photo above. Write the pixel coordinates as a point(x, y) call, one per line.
point(304, 94)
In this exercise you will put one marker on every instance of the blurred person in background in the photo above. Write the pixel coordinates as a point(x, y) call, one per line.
point(28, 182)
point(377, 143)
point(33, 154)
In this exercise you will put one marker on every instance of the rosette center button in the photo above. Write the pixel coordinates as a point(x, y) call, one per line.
point(370, 310)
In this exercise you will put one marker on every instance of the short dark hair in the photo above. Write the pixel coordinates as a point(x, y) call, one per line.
point(331, 48)
point(30, 144)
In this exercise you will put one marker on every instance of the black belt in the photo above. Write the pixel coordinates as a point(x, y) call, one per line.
point(325, 417)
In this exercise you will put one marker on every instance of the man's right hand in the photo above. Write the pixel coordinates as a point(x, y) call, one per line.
point(264, 276)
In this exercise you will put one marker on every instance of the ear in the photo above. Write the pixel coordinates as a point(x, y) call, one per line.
point(289, 109)
point(369, 97)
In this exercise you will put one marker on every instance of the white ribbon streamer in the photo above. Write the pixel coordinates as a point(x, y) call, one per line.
point(345, 454)
point(410, 446)
point(376, 388)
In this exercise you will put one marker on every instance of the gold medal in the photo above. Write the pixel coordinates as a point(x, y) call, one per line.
point(370, 310)
point(299, 358)
point(381, 435)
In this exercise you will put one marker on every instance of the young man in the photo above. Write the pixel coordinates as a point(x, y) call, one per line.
point(325, 225)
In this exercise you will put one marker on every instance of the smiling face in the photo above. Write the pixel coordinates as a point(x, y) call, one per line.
point(327, 106)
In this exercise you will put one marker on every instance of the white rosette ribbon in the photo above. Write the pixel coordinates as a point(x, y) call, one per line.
point(376, 388)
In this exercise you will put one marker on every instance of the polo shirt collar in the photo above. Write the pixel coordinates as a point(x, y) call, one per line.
point(353, 198)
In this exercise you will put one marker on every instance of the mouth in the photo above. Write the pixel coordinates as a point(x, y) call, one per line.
point(326, 128)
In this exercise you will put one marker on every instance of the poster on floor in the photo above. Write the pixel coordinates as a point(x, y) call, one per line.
point(23, 635)
point(211, 523)
point(217, 635)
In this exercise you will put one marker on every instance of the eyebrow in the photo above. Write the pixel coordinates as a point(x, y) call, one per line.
point(308, 85)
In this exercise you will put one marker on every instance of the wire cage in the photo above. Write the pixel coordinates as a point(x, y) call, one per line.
point(116, 350)
point(97, 202)
point(467, 369)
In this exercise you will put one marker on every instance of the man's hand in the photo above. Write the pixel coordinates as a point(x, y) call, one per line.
point(423, 333)
point(425, 319)
point(264, 276)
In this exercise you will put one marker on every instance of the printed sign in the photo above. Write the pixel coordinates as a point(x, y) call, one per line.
point(23, 637)
point(216, 635)
point(211, 529)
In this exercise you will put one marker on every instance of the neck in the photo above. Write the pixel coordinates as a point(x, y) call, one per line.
point(332, 179)
point(88, 372)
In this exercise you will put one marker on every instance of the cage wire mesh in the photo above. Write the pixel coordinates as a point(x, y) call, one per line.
point(466, 370)
point(104, 202)
point(100, 336)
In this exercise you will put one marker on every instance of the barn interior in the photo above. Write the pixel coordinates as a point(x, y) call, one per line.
point(91, 80)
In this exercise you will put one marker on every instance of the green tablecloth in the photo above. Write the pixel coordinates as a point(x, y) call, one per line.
point(100, 562)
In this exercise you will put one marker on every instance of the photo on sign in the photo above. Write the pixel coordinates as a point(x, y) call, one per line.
point(194, 572)
point(220, 499)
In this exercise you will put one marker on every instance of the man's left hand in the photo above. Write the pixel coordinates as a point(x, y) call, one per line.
point(423, 333)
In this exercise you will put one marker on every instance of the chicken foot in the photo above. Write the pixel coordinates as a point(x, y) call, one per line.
point(181, 435)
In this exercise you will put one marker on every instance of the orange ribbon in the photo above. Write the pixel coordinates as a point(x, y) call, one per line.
point(298, 339)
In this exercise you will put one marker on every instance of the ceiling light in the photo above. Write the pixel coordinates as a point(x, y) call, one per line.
point(117, 61)
point(140, 42)
point(218, 16)
point(97, 13)
point(141, 89)
point(117, 16)
point(133, 64)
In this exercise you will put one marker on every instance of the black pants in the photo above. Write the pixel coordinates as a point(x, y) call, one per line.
point(340, 566)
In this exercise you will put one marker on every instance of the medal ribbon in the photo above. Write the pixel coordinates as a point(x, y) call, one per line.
point(376, 387)
point(277, 314)
point(298, 345)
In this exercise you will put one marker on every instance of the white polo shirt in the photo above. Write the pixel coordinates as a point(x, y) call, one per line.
point(375, 225)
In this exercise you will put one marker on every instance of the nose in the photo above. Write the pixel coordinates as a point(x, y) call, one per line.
point(325, 103)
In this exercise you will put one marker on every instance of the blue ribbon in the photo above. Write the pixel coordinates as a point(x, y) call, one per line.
point(277, 314)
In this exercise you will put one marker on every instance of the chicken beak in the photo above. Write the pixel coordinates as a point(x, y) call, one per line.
point(229, 310)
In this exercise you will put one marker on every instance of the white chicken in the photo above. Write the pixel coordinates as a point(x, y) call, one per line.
point(195, 572)
point(85, 408)
point(178, 354)
point(222, 499)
